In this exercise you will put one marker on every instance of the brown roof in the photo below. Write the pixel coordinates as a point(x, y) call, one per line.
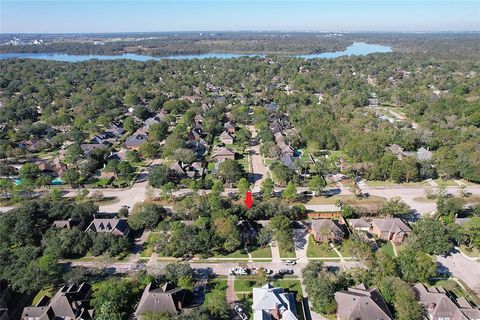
point(161, 299)
point(362, 304)
point(222, 151)
point(69, 302)
point(334, 226)
point(439, 303)
point(392, 225)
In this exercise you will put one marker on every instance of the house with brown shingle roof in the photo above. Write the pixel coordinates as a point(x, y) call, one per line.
point(441, 305)
point(220, 154)
point(226, 137)
point(321, 226)
point(229, 126)
point(161, 299)
point(361, 303)
point(70, 302)
point(115, 226)
point(388, 229)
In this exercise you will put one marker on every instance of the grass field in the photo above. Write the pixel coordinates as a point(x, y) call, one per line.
point(240, 253)
point(387, 248)
point(319, 250)
point(284, 254)
point(475, 253)
point(148, 245)
point(350, 200)
point(245, 285)
point(262, 253)
point(377, 183)
point(45, 291)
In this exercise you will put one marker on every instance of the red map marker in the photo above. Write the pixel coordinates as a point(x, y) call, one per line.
point(249, 199)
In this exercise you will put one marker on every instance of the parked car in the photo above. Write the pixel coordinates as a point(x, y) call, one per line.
point(240, 311)
point(290, 262)
point(238, 271)
point(285, 271)
point(268, 271)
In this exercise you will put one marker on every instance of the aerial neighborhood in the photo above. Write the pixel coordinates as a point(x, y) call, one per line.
point(265, 187)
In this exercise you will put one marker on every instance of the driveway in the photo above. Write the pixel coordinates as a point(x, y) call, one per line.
point(259, 172)
point(463, 268)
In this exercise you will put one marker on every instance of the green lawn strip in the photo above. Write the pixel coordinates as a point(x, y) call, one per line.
point(240, 253)
point(148, 245)
point(216, 286)
point(453, 286)
point(475, 253)
point(284, 254)
point(387, 248)
point(446, 183)
point(319, 250)
point(350, 200)
point(262, 253)
point(342, 250)
point(246, 284)
point(45, 291)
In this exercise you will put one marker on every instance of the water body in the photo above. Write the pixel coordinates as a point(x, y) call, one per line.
point(357, 49)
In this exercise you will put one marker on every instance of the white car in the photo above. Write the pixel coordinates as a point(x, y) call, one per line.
point(290, 262)
point(238, 271)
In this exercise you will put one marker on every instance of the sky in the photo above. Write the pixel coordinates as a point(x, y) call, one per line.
point(74, 16)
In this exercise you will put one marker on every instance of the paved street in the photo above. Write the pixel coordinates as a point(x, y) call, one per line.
point(259, 172)
point(463, 268)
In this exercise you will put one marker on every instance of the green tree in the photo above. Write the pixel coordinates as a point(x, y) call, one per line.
point(73, 154)
point(158, 175)
point(395, 207)
point(416, 266)
point(149, 149)
point(6, 186)
point(29, 171)
point(243, 186)
point(290, 192)
point(157, 132)
point(316, 185)
point(267, 188)
point(71, 177)
point(431, 236)
point(146, 216)
point(125, 170)
point(229, 171)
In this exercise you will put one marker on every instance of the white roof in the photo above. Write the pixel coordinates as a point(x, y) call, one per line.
point(268, 298)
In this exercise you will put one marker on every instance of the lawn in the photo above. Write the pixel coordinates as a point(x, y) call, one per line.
point(240, 253)
point(350, 200)
point(319, 250)
point(474, 253)
point(148, 245)
point(377, 183)
point(245, 284)
point(284, 254)
point(454, 287)
point(45, 291)
point(446, 183)
point(387, 248)
point(218, 289)
point(262, 252)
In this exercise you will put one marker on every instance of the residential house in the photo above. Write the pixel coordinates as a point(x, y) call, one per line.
point(116, 129)
point(389, 229)
point(286, 148)
point(138, 138)
point(226, 137)
point(161, 299)
point(229, 127)
point(105, 137)
point(288, 160)
point(192, 99)
point(54, 170)
point(220, 154)
point(373, 102)
point(88, 148)
point(68, 224)
point(114, 225)
point(199, 147)
point(70, 302)
point(396, 150)
point(195, 135)
point(198, 118)
point(327, 230)
point(248, 231)
point(439, 304)
point(120, 155)
point(5, 297)
point(424, 154)
point(273, 303)
point(361, 303)
point(271, 107)
point(276, 127)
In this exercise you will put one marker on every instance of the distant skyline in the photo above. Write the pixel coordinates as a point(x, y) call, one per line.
point(73, 16)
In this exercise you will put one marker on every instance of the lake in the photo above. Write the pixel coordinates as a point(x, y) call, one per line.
point(357, 49)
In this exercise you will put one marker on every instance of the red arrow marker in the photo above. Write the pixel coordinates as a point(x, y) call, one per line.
point(249, 200)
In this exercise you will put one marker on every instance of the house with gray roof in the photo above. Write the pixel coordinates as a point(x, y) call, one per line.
point(114, 225)
point(326, 229)
point(161, 299)
point(424, 154)
point(361, 303)
point(273, 303)
point(439, 304)
point(138, 138)
point(70, 302)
